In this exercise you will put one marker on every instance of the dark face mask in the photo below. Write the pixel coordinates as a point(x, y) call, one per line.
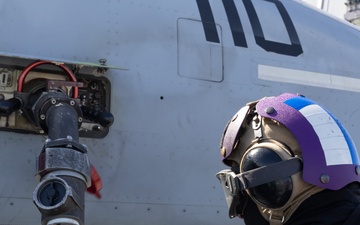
point(274, 194)
point(252, 215)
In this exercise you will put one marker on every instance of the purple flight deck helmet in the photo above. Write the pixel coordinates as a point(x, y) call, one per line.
point(330, 159)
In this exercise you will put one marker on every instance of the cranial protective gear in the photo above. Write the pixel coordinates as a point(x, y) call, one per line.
point(282, 150)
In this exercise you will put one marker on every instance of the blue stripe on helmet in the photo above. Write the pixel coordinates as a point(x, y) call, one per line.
point(350, 143)
point(300, 102)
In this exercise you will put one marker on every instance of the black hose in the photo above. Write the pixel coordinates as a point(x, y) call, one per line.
point(62, 121)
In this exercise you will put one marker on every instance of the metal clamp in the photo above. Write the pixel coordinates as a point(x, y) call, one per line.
point(229, 180)
point(274, 220)
point(61, 160)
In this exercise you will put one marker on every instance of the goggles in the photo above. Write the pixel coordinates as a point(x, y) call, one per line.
point(234, 185)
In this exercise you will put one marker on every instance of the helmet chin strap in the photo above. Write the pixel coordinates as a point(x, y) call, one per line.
point(256, 125)
point(280, 216)
point(276, 217)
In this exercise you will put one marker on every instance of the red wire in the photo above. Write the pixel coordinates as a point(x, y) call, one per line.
point(38, 63)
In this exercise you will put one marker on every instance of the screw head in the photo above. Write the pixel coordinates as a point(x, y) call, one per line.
point(357, 170)
point(223, 151)
point(270, 110)
point(324, 178)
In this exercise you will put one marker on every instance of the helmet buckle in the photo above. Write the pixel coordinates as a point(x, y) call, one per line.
point(276, 219)
point(256, 125)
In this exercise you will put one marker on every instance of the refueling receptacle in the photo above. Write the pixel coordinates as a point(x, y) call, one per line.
point(61, 105)
point(24, 82)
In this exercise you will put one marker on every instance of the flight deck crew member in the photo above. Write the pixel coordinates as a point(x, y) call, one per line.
point(291, 162)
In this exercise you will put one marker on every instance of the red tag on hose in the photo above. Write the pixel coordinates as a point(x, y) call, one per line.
point(96, 183)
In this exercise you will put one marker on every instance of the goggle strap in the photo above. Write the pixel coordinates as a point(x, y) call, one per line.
point(269, 173)
point(234, 184)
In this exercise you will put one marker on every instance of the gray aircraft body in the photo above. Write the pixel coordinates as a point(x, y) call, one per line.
point(170, 74)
